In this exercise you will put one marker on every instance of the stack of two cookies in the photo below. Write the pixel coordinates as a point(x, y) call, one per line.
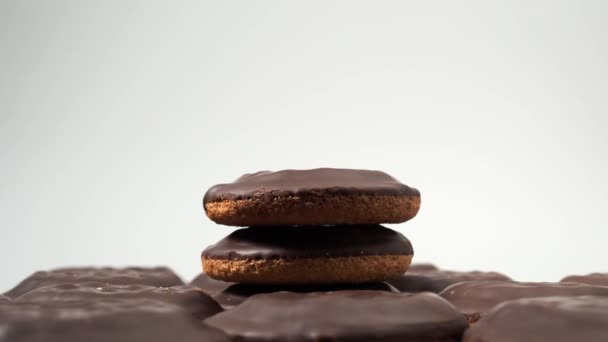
point(308, 227)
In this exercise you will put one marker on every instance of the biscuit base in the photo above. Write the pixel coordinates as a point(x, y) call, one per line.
point(314, 210)
point(358, 269)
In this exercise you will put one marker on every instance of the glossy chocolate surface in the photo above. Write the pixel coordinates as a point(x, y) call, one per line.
point(115, 319)
point(437, 280)
point(481, 296)
point(309, 242)
point(190, 298)
point(555, 319)
point(303, 182)
point(342, 316)
point(600, 279)
point(153, 276)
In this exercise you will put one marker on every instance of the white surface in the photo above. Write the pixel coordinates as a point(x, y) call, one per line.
point(116, 116)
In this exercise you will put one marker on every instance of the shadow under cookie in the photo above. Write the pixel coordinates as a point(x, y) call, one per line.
point(309, 255)
point(238, 293)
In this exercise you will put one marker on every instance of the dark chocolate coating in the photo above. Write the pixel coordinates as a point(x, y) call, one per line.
point(309, 242)
point(481, 296)
point(153, 276)
point(436, 280)
point(192, 299)
point(342, 316)
point(4, 299)
point(236, 294)
point(600, 279)
point(555, 319)
point(115, 319)
point(303, 182)
point(209, 285)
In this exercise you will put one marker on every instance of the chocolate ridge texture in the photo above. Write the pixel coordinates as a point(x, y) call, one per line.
point(481, 296)
point(192, 299)
point(437, 280)
point(600, 279)
point(153, 276)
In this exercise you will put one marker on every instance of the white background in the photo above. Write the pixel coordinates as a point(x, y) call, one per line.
point(116, 116)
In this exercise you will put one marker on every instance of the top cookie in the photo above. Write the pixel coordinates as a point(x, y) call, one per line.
point(312, 197)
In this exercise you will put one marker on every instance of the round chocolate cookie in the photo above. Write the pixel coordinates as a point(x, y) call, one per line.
point(153, 276)
point(437, 280)
point(600, 279)
point(555, 319)
point(342, 316)
point(309, 255)
point(238, 293)
point(192, 299)
point(475, 298)
point(312, 197)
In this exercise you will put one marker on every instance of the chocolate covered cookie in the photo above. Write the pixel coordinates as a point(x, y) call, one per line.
point(237, 293)
point(192, 299)
point(555, 319)
point(475, 298)
point(312, 197)
point(153, 276)
point(437, 280)
point(113, 319)
point(342, 316)
point(600, 279)
point(309, 255)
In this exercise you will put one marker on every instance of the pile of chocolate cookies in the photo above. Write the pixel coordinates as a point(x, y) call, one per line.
point(317, 227)
point(314, 259)
point(313, 264)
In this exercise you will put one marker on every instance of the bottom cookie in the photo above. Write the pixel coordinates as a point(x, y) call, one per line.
point(238, 293)
point(308, 271)
point(209, 285)
point(309, 255)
